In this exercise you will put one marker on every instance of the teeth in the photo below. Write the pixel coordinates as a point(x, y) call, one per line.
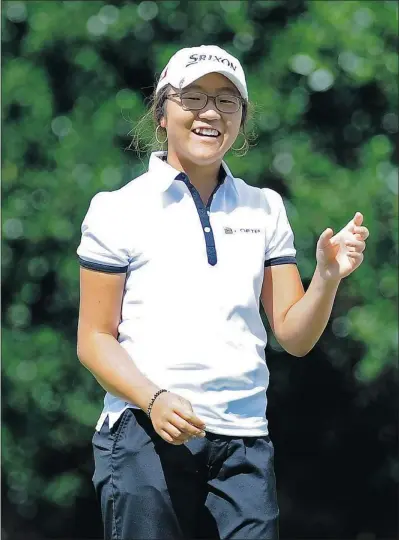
point(204, 131)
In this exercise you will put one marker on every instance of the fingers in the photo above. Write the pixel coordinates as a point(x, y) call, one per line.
point(190, 417)
point(168, 437)
point(176, 434)
point(186, 427)
point(362, 232)
point(172, 435)
point(165, 435)
point(356, 257)
point(325, 237)
point(174, 419)
point(180, 436)
point(356, 245)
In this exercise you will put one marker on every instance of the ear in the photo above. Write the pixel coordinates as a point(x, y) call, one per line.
point(162, 123)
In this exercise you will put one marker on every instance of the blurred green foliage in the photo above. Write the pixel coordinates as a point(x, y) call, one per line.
point(322, 76)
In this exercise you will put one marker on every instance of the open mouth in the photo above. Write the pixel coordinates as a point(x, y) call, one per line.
point(208, 133)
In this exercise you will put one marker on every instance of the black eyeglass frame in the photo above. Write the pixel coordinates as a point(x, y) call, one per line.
point(180, 94)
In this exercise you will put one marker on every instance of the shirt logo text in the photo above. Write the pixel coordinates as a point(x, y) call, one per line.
point(229, 230)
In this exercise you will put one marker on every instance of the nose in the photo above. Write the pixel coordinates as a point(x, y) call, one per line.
point(210, 111)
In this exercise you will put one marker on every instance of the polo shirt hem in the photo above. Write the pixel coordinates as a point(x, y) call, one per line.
point(233, 431)
point(238, 432)
point(99, 267)
point(276, 261)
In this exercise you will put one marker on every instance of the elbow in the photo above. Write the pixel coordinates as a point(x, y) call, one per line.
point(82, 350)
point(294, 343)
point(89, 344)
point(299, 353)
point(86, 342)
point(299, 350)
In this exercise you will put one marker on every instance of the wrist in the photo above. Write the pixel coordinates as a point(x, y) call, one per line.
point(144, 396)
point(153, 399)
point(325, 279)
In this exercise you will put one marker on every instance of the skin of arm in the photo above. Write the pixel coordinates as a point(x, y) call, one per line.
point(98, 348)
point(297, 319)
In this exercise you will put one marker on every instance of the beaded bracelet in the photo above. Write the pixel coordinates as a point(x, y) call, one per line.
point(152, 401)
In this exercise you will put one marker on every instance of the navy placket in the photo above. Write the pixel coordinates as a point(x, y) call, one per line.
point(204, 216)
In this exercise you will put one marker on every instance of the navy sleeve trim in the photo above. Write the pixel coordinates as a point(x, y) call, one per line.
point(280, 260)
point(102, 267)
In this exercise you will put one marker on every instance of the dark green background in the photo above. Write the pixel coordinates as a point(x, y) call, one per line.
point(323, 78)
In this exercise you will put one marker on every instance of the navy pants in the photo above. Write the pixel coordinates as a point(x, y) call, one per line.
point(217, 487)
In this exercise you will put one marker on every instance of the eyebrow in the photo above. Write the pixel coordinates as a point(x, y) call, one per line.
point(231, 89)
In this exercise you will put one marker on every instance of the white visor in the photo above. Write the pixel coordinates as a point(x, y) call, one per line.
point(188, 65)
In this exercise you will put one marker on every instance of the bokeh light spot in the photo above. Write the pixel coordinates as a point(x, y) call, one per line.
point(283, 163)
point(230, 6)
point(111, 177)
point(321, 80)
point(39, 199)
point(363, 17)
point(61, 126)
point(302, 64)
point(243, 41)
point(96, 26)
point(39, 21)
point(13, 229)
point(392, 181)
point(269, 121)
point(16, 12)
point(38, 267)
point(82, 173)
point(349, 61)
point(108, 14)
point(26, 370)
point(147, 10)
point(390, 122)
point(19, 315)
point(341, 326)
point(144, 32)
point(126, 99)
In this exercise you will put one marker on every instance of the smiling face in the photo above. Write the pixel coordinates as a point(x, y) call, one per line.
point(185, 143)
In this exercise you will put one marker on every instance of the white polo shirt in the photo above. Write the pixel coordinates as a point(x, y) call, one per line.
point(190, 316)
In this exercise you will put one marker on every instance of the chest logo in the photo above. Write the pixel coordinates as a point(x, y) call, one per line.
point(229, 230)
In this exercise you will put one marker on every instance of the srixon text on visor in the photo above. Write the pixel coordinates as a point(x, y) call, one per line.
point(195, 58)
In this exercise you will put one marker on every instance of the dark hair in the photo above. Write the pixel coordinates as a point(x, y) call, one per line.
point(144, 139)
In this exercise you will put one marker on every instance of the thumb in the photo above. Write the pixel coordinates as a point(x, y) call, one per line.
point(325, 237)
point(356, 221)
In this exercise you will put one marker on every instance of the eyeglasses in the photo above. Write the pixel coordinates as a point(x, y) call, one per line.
point(195, 101)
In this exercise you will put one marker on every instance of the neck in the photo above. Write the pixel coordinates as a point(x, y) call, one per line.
point(203, 178)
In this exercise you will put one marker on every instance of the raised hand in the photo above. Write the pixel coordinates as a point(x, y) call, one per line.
point(338, 256)
point(174, 420)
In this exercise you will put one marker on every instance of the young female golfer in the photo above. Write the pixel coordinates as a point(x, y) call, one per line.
point(173, 267)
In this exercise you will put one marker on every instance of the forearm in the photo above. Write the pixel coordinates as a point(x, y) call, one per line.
point(113, 368)
point(307, 319)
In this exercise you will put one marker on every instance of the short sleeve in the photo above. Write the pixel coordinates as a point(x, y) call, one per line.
point(280, 248)
point(102, 243)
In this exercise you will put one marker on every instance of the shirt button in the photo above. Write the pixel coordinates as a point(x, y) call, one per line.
point(207, 229)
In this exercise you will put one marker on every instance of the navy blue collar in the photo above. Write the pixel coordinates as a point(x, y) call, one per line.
point(164, 174)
